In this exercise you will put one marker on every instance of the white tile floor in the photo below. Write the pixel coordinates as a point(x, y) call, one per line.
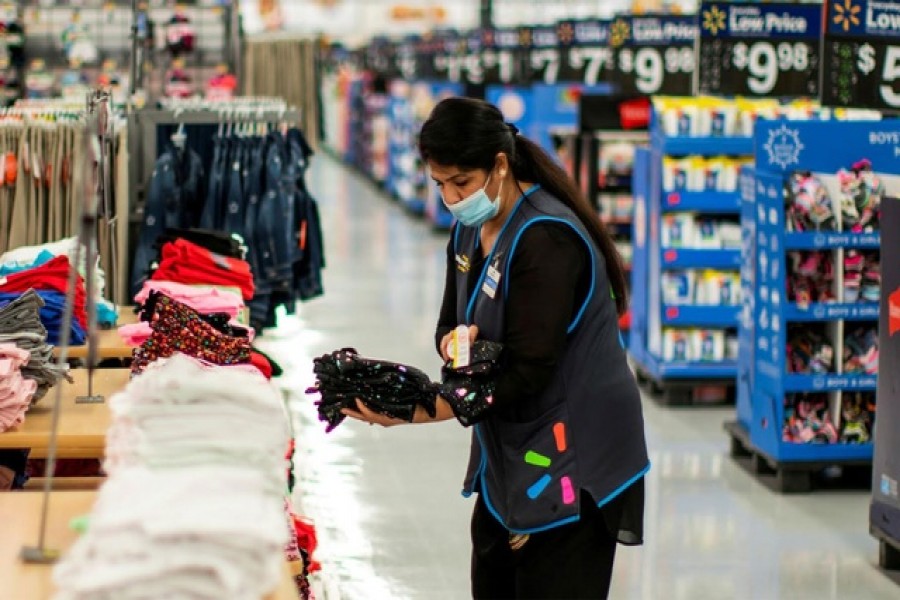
point(391, 521)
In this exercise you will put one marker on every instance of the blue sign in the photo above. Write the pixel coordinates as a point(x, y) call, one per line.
point(785, 146)
point(745, 20)
point(863, 18)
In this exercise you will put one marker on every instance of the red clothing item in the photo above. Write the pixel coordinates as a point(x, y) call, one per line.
point(51, 276)
point(185, 262)
point(262, 363)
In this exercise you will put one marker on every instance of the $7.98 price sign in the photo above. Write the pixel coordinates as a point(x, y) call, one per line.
point(862, 55)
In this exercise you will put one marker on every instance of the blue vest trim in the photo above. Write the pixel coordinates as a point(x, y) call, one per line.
point(590, 249)
point(487, 262)
point(623, 487)
point(456, 239)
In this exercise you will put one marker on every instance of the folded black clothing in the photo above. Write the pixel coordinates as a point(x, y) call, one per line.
point(470, 390)
point(389, 388)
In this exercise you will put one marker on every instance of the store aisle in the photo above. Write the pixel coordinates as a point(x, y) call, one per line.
point(391, 521)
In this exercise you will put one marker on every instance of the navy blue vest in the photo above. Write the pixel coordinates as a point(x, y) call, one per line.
point(590, 435)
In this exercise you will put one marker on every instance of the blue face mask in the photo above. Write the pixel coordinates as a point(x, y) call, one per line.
point(477, 208)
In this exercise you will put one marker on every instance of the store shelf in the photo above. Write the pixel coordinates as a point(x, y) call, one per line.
point(831, 240)
point(687, 258)
point(862, 311)
point(700, 315)
point(709, 146)
point(705, 202)
point(830, 382)
point(661, 370)
point(825, 453)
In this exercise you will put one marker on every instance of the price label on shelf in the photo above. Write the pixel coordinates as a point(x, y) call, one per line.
point(654, 54)
point(759, 49)
point(585, 55)
point(862, 54)
point(500, 55)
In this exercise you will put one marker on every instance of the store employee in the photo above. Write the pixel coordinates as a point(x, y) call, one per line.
point(559, 460)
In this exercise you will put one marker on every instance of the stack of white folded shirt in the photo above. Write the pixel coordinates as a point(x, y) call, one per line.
point(194, 504)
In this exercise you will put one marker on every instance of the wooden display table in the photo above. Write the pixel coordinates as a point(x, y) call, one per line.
point(82, 427)
point(20, 514)
point(109, 343)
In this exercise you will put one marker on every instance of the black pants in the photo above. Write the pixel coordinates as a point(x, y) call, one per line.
point(565, 563)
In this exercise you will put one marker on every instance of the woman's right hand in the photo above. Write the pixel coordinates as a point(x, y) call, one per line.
point(447, 342)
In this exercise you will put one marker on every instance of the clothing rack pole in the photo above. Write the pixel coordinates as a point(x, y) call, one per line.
point(97, 113)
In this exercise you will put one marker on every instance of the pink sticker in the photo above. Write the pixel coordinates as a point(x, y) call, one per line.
point(568, 493)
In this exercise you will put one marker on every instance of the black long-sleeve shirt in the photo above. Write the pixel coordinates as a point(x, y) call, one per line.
point(548, 279)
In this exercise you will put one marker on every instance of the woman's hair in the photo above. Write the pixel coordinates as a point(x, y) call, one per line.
point(469, 133)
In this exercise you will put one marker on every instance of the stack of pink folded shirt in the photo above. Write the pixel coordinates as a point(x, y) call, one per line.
point(15, 391)
point(205, 300)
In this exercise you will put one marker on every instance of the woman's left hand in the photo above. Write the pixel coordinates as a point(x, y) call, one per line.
point(364, 413)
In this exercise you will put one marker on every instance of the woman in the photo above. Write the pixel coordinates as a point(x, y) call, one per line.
point(558, 461)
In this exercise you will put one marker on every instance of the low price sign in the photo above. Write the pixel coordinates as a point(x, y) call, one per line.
point(764, 50)
point(862, 54)
point(585, 55)
point(654, 54)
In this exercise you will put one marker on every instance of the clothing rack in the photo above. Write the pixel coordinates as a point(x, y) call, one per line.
point(143, 145)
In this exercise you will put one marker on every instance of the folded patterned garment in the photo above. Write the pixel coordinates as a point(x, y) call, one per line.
point(470, 390)
point(392, 389)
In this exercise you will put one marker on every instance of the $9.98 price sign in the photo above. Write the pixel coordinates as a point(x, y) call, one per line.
point(654, 54)
point(759, 49)
point(862, 54)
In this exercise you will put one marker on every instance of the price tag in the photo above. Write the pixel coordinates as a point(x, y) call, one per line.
point(405, 60)
point(500, 55)
point(759, 49)
point(585, 55)
point(862, 55)
point(654, 54)
point(544, 53)
point(448, 59)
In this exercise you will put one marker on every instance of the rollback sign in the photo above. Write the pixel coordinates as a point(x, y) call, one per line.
point(862, 54)
point(763, 50)
point(654, 54)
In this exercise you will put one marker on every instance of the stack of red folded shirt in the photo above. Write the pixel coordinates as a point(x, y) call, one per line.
point(186, 262)
point(52, 276)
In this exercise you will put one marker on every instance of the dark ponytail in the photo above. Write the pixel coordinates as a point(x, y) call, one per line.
point(469, 133)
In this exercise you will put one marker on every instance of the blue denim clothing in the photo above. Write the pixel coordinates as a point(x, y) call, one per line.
point(175, 198)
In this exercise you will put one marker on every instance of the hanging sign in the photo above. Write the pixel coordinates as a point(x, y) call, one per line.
point(378, 59)
point(862, 54)
point(426, 49)
point(762, 50)
point(654, 54)
point(500, 55)
point(543, 60)
point(405, 63)
point(585, 55)
point(449, 58)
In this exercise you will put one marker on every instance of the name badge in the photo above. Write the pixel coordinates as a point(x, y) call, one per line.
point(491, 282)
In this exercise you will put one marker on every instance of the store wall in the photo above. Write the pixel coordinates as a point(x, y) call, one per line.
point(356, 21)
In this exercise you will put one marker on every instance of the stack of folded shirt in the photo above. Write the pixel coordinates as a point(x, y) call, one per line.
point(20, 324)
point(194, 503)
point(15, 391)
point(27, 257)
point(392, 389)
point(204, 300)
point(179, 328)
point(185, 262)
point(50, 280)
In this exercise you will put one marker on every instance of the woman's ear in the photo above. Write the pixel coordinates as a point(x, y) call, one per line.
point(502, 164)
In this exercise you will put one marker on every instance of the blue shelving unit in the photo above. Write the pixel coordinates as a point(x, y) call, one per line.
point(764, 379)
point(649, 315)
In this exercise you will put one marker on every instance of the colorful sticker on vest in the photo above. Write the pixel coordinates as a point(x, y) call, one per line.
point(537, 488)
point(559, 433)
point(568, 492)
point(537, 459)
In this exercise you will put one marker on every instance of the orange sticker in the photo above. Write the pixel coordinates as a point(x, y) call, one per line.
point(559, 432)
